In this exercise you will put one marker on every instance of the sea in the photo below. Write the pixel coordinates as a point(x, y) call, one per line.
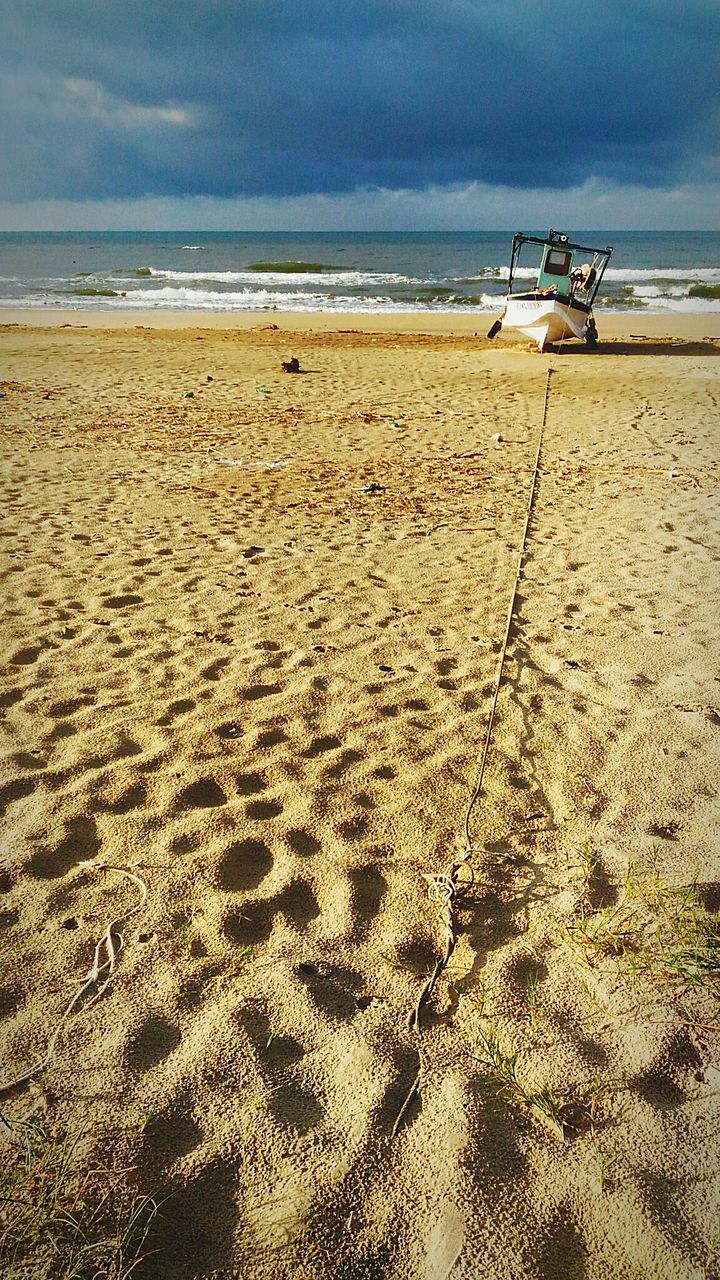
point(336, 271)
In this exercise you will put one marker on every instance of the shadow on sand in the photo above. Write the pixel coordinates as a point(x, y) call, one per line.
point(639, 347)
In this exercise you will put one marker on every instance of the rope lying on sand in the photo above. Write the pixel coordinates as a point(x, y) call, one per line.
point(458, 877)
point(106, 955)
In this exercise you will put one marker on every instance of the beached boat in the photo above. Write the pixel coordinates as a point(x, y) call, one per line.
point(559, 306)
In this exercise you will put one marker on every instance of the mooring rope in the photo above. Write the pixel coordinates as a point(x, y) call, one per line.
point(99, 975)
point(458, 877)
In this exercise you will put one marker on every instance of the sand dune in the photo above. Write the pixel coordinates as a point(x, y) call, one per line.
point(251, 640)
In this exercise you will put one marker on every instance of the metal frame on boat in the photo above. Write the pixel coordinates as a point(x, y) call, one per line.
point(560, 304)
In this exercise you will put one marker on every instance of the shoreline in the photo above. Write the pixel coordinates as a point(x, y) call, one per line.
point(684, 325)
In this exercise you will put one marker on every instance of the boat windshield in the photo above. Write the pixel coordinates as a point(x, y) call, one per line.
point(557, 263)
point(525, 267)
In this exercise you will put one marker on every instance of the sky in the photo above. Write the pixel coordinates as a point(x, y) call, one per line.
point(358, 114)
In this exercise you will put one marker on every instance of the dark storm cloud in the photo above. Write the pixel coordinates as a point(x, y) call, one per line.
point(280, 97)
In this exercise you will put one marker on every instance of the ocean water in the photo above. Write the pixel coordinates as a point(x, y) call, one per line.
point(335, 272)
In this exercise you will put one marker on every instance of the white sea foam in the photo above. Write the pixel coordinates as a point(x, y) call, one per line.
point(702, 306)
point(349, 278)
point(701, 275)
point(338, 290)
point(243, 299)
point(520, 273)
point(261, 300)
point(195, 299)
point(627, 275)
point(655, 291)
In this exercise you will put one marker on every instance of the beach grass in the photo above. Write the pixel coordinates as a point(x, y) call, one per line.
point(62, 1218)
point(500, 1067)
point(659, 931)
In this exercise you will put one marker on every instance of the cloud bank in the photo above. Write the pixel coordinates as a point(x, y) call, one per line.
point(273, 99)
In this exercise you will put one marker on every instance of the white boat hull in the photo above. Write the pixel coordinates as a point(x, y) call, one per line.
point(545, 319)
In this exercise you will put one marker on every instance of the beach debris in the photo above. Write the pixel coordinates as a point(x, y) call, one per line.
point(249, 552)
point(314, 969)
point(291, 366)
point(498, 437)
point(673, 473)
point(373, 487)
point(711, 713)
point(210, 378)
point(217, 639)
point(230, 730)
point(263, 391)
point(90, 989)
point(194, 490)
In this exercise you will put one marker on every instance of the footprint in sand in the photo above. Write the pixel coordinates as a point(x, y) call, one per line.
point(206, 793)
point(81, 841)
point(151, 1043)
point(245, 865)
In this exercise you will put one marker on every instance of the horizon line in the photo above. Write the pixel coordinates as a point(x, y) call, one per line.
point(286, 231)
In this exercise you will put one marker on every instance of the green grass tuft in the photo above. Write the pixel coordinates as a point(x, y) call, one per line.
point(60, 1220)
point(658, 931)
point(501, 1077)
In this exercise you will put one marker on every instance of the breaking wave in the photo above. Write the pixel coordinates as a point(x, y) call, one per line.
point(370, 273)
point(247, 275)
point(271, 299)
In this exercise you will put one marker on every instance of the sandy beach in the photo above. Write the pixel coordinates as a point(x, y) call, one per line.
point(252, 632)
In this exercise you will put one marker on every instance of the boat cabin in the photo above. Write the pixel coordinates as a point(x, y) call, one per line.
point(570, 272)
point(555, 269)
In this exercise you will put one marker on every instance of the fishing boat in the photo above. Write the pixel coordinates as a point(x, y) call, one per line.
point(559, 306)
